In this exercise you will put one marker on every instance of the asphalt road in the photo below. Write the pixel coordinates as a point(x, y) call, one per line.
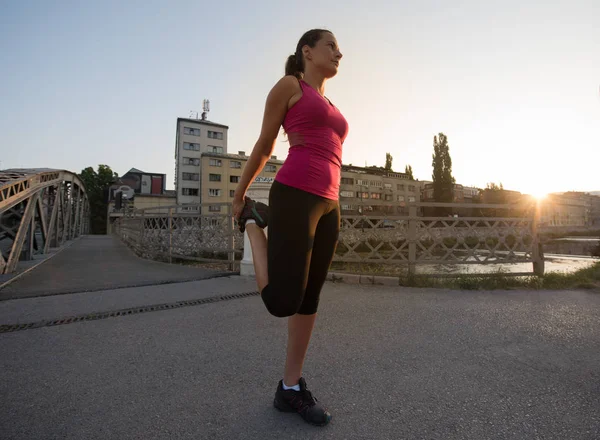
point(389, 362)
point(95, 263)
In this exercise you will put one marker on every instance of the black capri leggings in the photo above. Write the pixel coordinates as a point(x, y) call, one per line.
point(302, 237)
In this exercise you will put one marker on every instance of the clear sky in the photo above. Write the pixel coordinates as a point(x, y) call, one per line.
point(515, 85)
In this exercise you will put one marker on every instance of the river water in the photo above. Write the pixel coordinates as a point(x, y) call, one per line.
point(563, 255)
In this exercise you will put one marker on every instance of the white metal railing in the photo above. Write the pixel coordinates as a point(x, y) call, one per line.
point(413, 240)
point(172, 233)
point(169, 233)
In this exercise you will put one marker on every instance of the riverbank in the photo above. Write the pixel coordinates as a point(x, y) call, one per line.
point(585, 278)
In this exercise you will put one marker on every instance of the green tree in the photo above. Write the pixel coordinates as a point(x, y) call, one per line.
point(388, 162)
point(493, 187)
point(443, 181)
point(408, 170)
point(96, 185)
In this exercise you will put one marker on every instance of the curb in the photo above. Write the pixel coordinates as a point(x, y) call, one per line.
point(349, 278)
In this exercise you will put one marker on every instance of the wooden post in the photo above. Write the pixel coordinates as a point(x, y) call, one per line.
point(412, 240)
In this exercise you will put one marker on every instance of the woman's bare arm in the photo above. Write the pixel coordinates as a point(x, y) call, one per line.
point(275, 109)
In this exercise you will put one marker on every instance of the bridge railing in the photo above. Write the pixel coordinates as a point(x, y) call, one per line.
point(426, 237)
point(430, 234)
point(40, 209)
point(184, 233)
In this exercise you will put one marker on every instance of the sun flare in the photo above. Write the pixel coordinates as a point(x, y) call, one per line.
point(539, 195)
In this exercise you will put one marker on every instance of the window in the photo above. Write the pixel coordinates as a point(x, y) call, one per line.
point(231, 192)
point(234, 179)
point(189, 208)
point(214, 192)
point(215, 135)
point(191, 146)
point(191, 131)
point(400, 198)
point(346, 194)
point(412, 199)
point(191, 161)
point(213, 149)
point(387, 185)
point(270, 168)
point(411, 188)
point(388, 197)
point(362, 182)
point(376, 196)
point(214, 208)
point(189, 191)
point(347, 207)
point(362, 195)
point(215, 163)
point(214, 177)
point(376, 184)
point(401, 187)
point(347, 181)
point(190, 176)
point(235, 164)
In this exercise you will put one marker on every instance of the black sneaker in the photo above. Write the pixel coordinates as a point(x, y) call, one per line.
point(257, 211)
point(301, 402)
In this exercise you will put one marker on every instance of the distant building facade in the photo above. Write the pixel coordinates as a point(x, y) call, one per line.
point(137, 189)
point(193, 138)
point(375, 191)
point(571, 209)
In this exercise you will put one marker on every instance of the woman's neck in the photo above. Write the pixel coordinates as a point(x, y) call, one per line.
point(316, 81)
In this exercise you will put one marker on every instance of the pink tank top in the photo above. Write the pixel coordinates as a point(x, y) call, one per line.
point(316, 131)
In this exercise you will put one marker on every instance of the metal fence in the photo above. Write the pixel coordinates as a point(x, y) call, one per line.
point(183, 233)
point(170, 233)
point(414, 240)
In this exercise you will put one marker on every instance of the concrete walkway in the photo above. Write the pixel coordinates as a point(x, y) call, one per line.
point(98, 262)
point(389, 362)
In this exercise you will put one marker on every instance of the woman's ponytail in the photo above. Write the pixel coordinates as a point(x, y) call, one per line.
point(292, 68)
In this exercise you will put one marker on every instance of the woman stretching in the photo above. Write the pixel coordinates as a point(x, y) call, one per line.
point(303, 215)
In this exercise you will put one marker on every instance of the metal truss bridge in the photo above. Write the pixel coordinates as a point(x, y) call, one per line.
point(39, 209)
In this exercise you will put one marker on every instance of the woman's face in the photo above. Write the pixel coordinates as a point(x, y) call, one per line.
point(325, 56)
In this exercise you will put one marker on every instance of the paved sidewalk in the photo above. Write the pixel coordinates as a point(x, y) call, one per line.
point(98, 262)
point(390, 362)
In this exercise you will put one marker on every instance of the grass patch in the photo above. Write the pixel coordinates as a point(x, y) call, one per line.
point(564, 234)
point(588, 278)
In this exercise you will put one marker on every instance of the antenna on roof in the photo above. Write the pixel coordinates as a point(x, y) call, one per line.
point(205, 108)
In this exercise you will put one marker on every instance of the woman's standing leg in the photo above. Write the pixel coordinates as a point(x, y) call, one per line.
point(300, 325)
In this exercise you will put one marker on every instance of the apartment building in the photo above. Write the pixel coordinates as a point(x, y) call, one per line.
point(215, 179)
point(571, 209)
point(193, 138)
point(458, 193)
point(373, 190)
point(139, 190)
